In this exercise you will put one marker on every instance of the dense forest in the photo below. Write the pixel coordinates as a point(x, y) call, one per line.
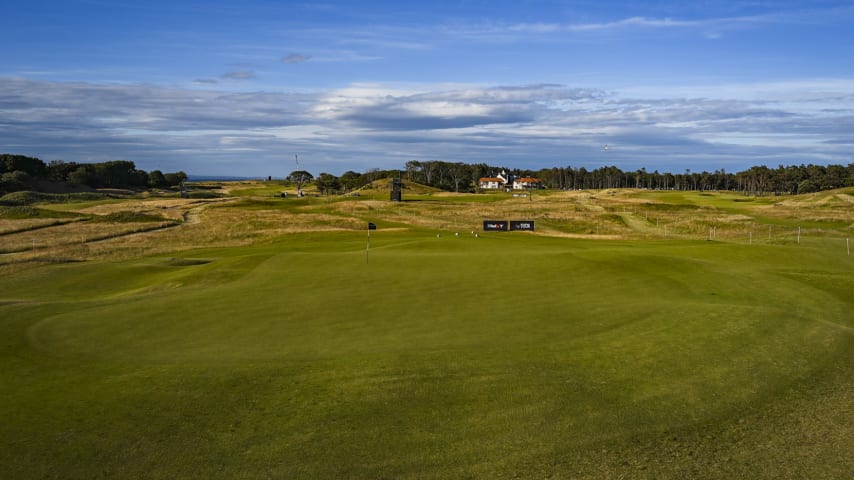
point(18, 172)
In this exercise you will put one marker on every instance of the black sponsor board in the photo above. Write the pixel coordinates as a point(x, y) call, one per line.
point(504, 225)
point(495, 225)
point(522, 225)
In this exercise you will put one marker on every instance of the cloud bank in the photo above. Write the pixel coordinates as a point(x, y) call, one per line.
point(207, 131)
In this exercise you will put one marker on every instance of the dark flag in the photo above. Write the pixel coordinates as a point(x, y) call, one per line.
point(372, 226)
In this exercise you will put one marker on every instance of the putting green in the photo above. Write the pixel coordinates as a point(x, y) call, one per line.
point(508, 354)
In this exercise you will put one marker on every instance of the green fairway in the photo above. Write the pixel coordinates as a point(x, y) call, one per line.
point(501, 355)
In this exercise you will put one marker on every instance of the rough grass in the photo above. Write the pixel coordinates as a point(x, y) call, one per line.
point(30, 198)
point(127, 217)
point(237, 346)
point(27, 212)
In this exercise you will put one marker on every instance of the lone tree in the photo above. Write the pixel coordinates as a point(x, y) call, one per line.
point(300, 177)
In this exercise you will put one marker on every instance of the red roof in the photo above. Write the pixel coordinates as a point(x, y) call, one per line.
point(485, 179)
point(528, 180)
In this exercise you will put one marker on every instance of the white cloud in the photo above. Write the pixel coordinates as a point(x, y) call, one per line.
point(372, 125)
point(640, 22)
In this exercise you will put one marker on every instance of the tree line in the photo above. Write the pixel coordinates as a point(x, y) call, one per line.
point(19, 172)
point(327, 183)
point(462, 177)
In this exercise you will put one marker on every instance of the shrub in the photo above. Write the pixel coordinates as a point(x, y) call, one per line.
point(807, 186)
point(12, 181)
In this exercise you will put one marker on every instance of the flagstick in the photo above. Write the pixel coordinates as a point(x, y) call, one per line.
point(368, 247)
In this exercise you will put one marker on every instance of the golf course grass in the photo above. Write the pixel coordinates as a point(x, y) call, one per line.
point(261, 350)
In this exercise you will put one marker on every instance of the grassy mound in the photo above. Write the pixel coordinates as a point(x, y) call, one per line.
point(30, 198)
point(27, 212)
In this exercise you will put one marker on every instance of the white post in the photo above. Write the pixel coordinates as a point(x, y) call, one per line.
point(799, 235)
point(848, 245)
point(751, 238)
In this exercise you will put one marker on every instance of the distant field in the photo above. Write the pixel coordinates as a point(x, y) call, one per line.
point(635, 334)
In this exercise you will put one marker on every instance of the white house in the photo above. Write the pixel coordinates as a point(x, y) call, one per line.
point(497, 182)
point(526, 183)
point(491, 183)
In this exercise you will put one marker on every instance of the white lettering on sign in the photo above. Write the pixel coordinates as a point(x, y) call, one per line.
point(522, 225)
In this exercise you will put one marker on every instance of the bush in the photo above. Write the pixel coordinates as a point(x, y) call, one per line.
point(807, 186)
point(12, 181)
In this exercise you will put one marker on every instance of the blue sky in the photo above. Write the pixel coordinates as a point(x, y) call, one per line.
point(240, 88)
